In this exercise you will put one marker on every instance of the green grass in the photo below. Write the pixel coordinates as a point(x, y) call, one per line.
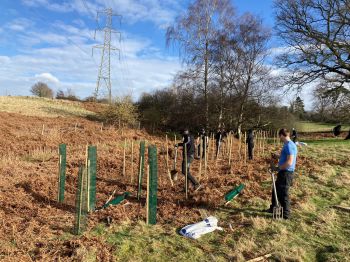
point(42, 107)
point(305, 126)
point(317, 232)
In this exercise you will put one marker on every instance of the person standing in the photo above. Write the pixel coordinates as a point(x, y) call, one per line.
point(294, 135)
point(188, 143)
point(250, 142)
point(337, 130)
point(203, 140)
point(285, 168)
point(218, 141)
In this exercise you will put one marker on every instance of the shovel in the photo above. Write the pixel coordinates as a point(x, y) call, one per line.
point(277, 211)
point(174, 171)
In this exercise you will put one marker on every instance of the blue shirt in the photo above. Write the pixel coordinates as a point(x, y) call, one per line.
point(289, 148)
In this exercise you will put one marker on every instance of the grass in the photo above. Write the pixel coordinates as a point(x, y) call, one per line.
point(317, 232)
point(42, 107)
point(305, 126)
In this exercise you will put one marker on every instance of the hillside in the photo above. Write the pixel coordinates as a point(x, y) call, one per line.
point(42, 107)
point(37, 228)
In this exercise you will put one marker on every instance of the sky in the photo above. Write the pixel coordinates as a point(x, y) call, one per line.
point(52, 40)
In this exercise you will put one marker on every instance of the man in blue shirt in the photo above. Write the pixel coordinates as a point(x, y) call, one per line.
point(286, 167)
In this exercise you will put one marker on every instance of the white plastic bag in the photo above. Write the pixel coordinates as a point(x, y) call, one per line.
point(199, 229)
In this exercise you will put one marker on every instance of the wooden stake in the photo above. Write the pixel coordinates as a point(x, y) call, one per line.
point(167, 160)
point(42, 130)
point(186, 172)
point(213, 148)
point(230, 151)
point(206, 148)
point(200, 157)
point(124, 158)
point(264, 257)
point(132, 162)
point(245, 148)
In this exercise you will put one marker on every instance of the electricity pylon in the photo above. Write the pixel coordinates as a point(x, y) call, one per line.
point(104, 72)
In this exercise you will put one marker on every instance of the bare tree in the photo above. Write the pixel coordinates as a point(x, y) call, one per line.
point(194, 32)
point(317, 38)
point(245, 71)
point(41, 89)
point(330, 105)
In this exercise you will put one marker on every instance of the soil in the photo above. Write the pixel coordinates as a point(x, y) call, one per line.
point(35, 226)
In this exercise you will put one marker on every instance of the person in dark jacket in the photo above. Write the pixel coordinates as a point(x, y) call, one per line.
point(204, 140)
point(337, 130)
point(294, 135)
point(188, 143)
point(250, 142)
point(218, 141)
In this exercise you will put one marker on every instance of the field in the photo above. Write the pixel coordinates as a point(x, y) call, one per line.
point(36, 228)
point(304, 126)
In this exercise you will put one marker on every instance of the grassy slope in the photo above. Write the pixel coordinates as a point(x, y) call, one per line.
point(42, 107)
point(316, 232)
point(304, 126)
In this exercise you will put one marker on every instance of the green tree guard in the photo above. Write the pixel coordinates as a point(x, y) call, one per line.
point(233, 193)
point(91, 171)
point(81, 203)
point(141, 168)
point(152, 186)
point(61, 172)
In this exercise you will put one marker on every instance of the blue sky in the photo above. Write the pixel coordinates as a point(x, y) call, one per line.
point(51, 41)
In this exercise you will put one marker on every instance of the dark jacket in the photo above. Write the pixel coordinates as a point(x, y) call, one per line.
point(337, 130)
point(250, 140)
point(218, 136)
point(188, 141)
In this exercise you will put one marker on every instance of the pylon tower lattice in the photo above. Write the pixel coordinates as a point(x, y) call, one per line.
point(104, 72)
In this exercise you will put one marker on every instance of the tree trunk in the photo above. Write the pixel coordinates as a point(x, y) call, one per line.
point(206, 69)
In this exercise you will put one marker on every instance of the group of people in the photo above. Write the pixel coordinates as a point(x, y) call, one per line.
point(285, 168)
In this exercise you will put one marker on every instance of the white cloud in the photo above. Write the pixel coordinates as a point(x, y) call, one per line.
point(47, 77)
point(19, 24)
point(64, 65)
point(159, 12)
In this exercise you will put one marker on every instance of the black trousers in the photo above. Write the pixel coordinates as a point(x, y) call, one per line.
point(283, 183)
point(203, 152)
point(250, 151)
point(189, 176)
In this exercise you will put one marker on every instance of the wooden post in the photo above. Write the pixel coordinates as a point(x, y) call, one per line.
point(186, 172)
point(245, 147)
point(200, 156)
point(132, 162)
point(213, 148)
point(141, 168)
point(42, 130)
point(167, 159)
point(206, 150)
point(230, 151)
point(124, 158)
